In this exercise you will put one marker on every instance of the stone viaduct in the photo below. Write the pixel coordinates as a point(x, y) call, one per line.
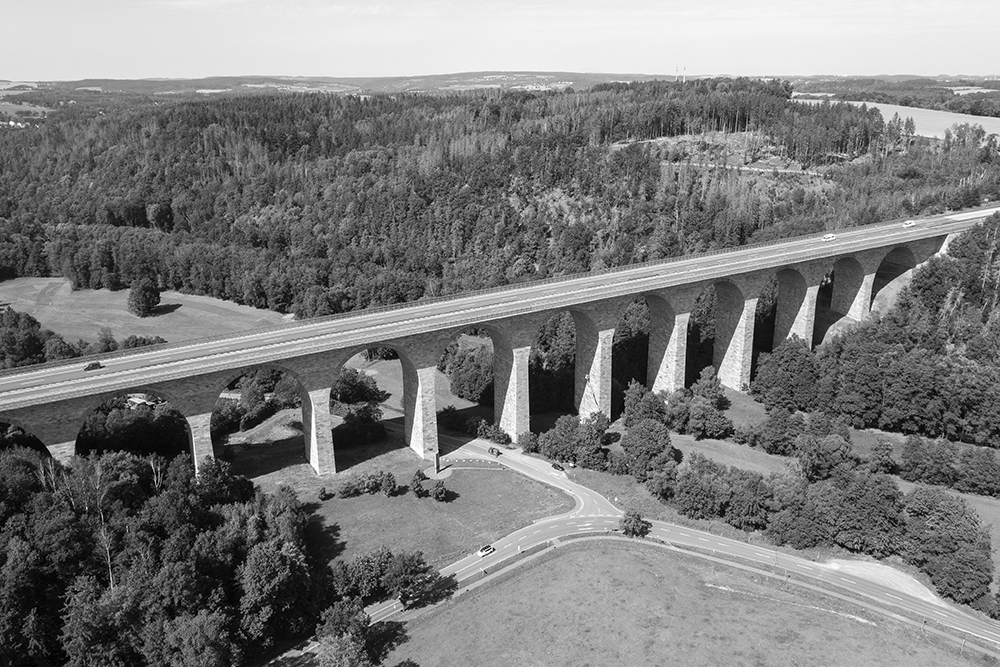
point(52, 401)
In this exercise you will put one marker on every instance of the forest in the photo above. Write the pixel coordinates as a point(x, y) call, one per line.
point(133, 560)
point(318, 204)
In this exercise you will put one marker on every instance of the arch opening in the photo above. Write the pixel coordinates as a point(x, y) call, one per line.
point(552, 371)
point(894, 272)
point(630, 347)
point(257, 423)
point(466, 388)
point(368, 406)
point(15, 435)
point(141, 422)
point(716, 336)
point(780, 313)
point(838, 293)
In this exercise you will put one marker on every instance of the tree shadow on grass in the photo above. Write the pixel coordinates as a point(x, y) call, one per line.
point(383, 638)
point(324, 538)
point(443, 589)
point(164, 309)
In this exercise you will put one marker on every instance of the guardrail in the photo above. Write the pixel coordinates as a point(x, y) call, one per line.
point(667, 261)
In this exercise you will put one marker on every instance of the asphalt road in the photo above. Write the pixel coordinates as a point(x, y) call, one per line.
point(51, 382)
point(593, 514)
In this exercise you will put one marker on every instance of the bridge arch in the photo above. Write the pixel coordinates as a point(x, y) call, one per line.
point(232, 416)
point(790, 299)
point(896, 265)
point(476, 365)
point(418, 370)
point(16, 433)
point(842, 294)
point(721, 334)
point(171, 435)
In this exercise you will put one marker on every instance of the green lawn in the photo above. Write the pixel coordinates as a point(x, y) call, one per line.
point(609, 604)
point(181, 317)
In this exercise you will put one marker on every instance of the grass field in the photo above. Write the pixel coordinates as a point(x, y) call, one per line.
point(488, 501)
point(603, 604)
point(82, 313)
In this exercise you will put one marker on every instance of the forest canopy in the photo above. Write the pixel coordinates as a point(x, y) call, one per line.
point(317, 204)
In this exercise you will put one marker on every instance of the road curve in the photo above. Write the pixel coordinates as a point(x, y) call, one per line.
point(62, 380)
point(596, 516)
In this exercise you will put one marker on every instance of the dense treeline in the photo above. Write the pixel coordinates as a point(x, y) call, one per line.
point(929, 366)
point(126, 560)
point(23, 342)
point(827, 497)
point(319, 204)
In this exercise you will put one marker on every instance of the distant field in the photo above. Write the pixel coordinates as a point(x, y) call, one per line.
point(929, 123)
point(81, 314)
point(603, 604)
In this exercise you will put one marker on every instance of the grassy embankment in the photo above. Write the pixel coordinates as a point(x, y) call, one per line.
point(610, 604)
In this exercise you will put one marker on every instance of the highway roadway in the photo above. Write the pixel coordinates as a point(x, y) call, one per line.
point(597, 516)
point(50, 382)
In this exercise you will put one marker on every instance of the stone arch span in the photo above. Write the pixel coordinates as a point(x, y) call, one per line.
point(94, 403)
point(509, 393)
point(848, 298)
point(897, 264)
point(306, 406)
point(32, 440)
point(794, 313)
point(419, 399)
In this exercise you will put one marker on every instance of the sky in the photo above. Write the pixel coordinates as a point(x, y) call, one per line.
point(51, 40)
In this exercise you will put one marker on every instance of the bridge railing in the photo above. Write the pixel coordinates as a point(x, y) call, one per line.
point(430, 300)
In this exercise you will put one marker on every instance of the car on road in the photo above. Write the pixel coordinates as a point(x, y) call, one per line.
point(485, 550)
point(93, 366)
point(829, 237)
point(908, 223)
point(557, 466)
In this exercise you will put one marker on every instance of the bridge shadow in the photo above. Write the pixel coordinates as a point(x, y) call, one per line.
point(254, 459)
point(457, 427)
point(348, 454)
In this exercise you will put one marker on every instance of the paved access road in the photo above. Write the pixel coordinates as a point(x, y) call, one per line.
point(51, 382)
point(597, 515)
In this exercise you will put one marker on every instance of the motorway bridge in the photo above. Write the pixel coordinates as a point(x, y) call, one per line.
point(51, 401)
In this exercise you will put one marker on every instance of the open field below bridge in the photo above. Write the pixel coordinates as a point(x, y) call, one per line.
point(611, 604)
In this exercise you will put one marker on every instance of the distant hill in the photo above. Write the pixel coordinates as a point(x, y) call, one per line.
point(353, 85)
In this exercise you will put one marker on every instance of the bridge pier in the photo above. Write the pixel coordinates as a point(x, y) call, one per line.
point(317, 430)
point(595, 335)
point(420, 409)
point(200, 429)
point(733, 353)
point(510, 387)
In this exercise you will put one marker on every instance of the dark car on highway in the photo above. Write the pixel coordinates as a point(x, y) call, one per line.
point(93, 366)
point(557, 466)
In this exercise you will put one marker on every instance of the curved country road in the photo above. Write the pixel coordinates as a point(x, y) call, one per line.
point(594, 516)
